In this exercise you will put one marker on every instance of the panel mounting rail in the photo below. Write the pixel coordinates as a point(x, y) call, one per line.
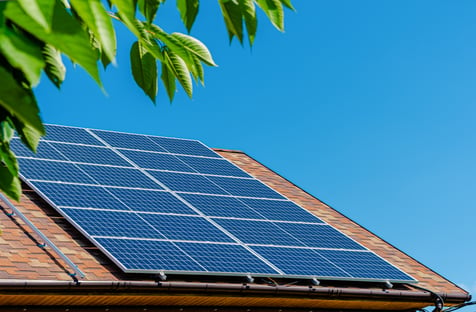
point(44, 238)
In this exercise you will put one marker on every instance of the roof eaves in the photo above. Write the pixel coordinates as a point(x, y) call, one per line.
point(108, 292)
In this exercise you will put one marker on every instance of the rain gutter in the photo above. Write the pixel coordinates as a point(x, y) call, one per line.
point(128, 287)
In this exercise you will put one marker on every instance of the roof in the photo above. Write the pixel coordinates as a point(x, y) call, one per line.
point(34, 276)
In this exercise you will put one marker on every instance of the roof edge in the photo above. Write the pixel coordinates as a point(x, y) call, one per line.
point(69, 287)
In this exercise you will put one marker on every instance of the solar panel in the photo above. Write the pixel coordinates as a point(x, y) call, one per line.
point(44, 151)
point(54, 171)
point(70, 135)
point(221, 206)
point(81, 196)
point(159, 161)
point(155, 204)
point(90, 154)
point(112, 223)
point(151, 201)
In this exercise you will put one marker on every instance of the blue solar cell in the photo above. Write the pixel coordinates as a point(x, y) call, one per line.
point(245, 187)
point(226, 258)
point(52, 171)
point(151, 160)
point(363, 265)
point(125, 140)
point(221, 206)
point(79, 196)
point(151, 201)
point(44, 150)
point(146, 228)
point(321, 236)
point(213, 166)
point(298, 261)
point(111, 223)
point(258, 232)
point(90, 154)
point(182, 182)
point(280, 210)
point(186, 147)
point(70, 134)
point(186, 228)
point(154, 255)
point(114, 176)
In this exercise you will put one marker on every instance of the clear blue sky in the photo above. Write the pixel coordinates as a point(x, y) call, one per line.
point(368, 105)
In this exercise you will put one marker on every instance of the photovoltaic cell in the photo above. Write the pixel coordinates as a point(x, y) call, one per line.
point(86, 196)
point(150, 160)
point(363, 264)
point(221, 206)
point(44, 150)
point(226, 258)
point(185, 147)
point(319, 235)
point(151, 201)
point(258, 232)
point(112, 223)
point(70, 134)
point(160, 255)
point(182, 182)
point(280, 210)
point(90, 154)
point(161, 204)
point(244, 187)
point(297, 261)
point(114, 176)
point(213, 166)
point(52, 171)
point(191, 228)
point(132, 141)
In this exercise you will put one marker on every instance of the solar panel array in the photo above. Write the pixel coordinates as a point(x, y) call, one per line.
point(155, 204)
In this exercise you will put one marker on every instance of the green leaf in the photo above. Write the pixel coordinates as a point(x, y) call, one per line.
point(153, 48)
point(188, 12)
point(10, 184)
point(287, 3)
point(54, 69)
point(3, 5)
point(67, 35)
point(249, 13)
point(233, 19)
point(29, 136)
point(274, 10)
point(39, 11)
point(19, 102)
point(22, 54)
point(172, 43)
point(168, 80)
point(169, 40)
point(144, 70)
point(195, 47)
point(8, 159)
point(196, 69)
point(127, 13)
point(99, 22)
point(149, 8)
point(179, 69)
point(6, 131)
